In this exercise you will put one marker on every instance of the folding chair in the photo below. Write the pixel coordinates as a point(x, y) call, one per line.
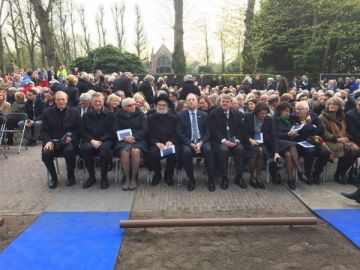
point(2, 128)
point(15, 118)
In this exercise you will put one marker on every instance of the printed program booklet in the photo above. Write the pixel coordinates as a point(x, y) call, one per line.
point(306, 144)
point(259, 137)
point(167, 151)
point(121, 134)
point(297, 127)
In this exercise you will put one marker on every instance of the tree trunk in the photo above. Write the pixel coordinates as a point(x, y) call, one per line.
point(249, 62)
point(47, 35)
point(207, 48)
point(2, 22)
point(179, 63)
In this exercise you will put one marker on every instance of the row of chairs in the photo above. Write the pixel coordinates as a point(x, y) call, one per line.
point(10, 127)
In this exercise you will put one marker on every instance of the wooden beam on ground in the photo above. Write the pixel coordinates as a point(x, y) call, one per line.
point(218, 222)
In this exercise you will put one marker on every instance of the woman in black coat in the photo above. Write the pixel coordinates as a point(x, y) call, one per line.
point(287, 144)
point(72, 91)
point(260, 142)
point(132, 146)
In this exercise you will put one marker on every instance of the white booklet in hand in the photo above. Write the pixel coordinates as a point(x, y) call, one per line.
point(297, 127)
point(259, 137)
point(306, 144)
point(167, 151)
point(121, 134)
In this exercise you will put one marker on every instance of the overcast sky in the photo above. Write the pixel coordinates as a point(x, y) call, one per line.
point(158, 17)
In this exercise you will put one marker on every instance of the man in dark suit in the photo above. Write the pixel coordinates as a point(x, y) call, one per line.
point(148, 90)
point(194, 135)
point(34, 108)
point(162, 135)
point(226, 131)
point(124, 83)
point(84, 104)
point(189, 87)
point(98, 139)
point(60, 132)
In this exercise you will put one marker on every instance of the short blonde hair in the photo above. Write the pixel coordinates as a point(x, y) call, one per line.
point(72, 79)
point(19, 97)
point(112, 97)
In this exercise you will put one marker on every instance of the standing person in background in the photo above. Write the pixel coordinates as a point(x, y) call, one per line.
point(124, 83)
point(148, 89)
point(72, 91)
point(62, 74)
point(189, 87)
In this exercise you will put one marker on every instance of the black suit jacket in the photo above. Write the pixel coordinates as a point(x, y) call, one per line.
point(162, 128)
point(125, 84)
point(147, 91)
point(53, 128)
point(353, 125)
point(187, 88)
point(267, 129)
point(218, 126)
point(98, 126)
point(183, 127)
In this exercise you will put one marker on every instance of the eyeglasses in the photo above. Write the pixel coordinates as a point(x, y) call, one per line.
point(130, 105)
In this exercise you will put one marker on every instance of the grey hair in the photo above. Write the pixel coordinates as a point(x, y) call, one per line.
point(149, 78)
point(304, 103)
point(240, 95)
point(85, 97)
point(125, 102)
point(225, 96)
point(84, 75)
point(188, 78)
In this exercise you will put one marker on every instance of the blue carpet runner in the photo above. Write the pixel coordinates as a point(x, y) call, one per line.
point(347, 221)
point(67, 240)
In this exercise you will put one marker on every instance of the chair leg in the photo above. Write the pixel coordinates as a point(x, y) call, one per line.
point(22, 138)
point(57, 165)
point(267, 171)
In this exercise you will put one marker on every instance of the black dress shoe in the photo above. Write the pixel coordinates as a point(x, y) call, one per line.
point(304, 178)
point(52, 183)
point(292, 185)
point(253, 184)
point(169, 182)
point(191, 185)
point(240, 182)
point(71, 181)
point(316, 179)
point(156, 179)
point(89, 182)
point(260, 185)
point(352, 196)
point(224, 183)
point(211, 186)
point(104, 183)
point(340, 178)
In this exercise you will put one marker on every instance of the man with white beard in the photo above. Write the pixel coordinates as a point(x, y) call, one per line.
point(162, 136)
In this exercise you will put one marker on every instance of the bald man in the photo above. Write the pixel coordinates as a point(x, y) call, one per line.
point(60, 132)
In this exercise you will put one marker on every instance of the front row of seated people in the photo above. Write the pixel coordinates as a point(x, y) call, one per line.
point(251, 139)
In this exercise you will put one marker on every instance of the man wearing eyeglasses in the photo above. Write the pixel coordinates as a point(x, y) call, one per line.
point(194, 135)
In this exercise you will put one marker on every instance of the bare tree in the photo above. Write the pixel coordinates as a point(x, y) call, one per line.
point(62, 37)
point(72, 24)
point(118, 12)
point(84, 28)
point(207, 47)
point(249, 62)
point(98, 30)
point(102, 25)
point(47, 34)
point(28, 28)
point(2, 22)
point(179, 63)
point(14, 25)
point(140, 41)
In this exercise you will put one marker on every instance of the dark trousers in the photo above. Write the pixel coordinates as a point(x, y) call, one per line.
point(223, 154)
point(346, 161)
point(60, 150)
point(154, 162)
point(206, 152)
point(88, 153)
point(309, 155)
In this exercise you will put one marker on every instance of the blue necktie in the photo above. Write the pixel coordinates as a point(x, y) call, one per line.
point(195, 135)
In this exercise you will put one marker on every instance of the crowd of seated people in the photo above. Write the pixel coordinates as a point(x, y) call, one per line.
point(254, 121)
